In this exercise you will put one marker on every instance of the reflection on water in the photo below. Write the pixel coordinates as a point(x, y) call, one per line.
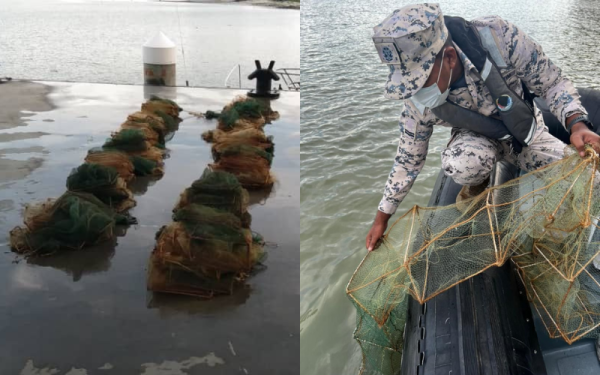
point(172, 304)
point(349, 138)
point(43, 312)
point(77, 263)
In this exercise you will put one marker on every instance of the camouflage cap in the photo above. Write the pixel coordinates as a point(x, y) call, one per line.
point(408, 42)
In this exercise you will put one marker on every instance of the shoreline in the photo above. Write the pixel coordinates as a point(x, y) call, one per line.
point(286, 4)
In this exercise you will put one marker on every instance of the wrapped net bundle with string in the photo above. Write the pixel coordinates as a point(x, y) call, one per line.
point(146, 159)
point(252, 137)
point(219, 190)
point(71, 222)
point(166, 109)
point(252, 170)
point(204, 253)
point(120, 161)
point(243, 151)
point(154, 121)
point(102, 182)
point(244, 113)
point(150, 134)
point(128, 166)
point(133, 142)
point(551, 213)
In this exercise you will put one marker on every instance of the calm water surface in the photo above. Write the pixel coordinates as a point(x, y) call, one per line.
point(349, 138)
point(101, 41)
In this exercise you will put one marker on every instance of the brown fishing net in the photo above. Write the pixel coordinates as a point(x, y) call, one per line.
point(156, 105)
point(219, 190)
point(120, 161)
point(203, 253)
point(73, 221)
point(150, 135)
point(154, 121)
point(240, 145)
point(546, 219)
point(87, 213)
point(102, 182)
point(253, 172)
point(244, 113)
point(209, 248)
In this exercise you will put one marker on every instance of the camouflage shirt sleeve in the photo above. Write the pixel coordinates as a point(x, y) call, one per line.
point(539, 73)
point(415, 131)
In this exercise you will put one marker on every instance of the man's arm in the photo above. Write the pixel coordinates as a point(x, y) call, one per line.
point(540, 74)
point(546, 80)
point(415, 133)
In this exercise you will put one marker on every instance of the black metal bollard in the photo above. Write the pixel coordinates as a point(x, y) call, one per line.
point(263, 82)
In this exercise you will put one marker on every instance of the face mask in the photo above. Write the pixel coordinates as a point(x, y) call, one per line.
point(431, 97)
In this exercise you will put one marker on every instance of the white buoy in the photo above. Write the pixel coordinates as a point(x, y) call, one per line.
point(160, 58)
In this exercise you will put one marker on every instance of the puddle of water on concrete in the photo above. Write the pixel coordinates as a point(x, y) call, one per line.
point(178, 368)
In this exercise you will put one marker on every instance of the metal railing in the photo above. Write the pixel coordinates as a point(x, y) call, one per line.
point(291, 77)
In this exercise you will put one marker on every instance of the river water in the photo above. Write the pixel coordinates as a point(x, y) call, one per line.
point(101, 41)
point(349, 138)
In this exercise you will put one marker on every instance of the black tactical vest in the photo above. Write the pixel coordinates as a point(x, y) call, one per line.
point(517, 118)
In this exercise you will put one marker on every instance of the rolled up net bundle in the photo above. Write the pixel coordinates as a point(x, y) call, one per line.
point(252, 137)
point(102, 182)
point(167, 106)
point(204, 253)
point(128, 166)
point(73, 221)
point(133, 142)
point(551, 213)
point(120, 161)
point(150, 135)
point(146, 159)
point(253, 171)
point(219, 190)
point(154, 121)
point(245, 113)
point(241, 151)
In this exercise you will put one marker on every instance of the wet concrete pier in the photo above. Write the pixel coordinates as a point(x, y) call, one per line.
point(89, 312)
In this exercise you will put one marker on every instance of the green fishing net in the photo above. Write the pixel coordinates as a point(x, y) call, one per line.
point(547, 221)
point(127, 140)
point(154, 98)
point(219, 190)
point(242, 151)
point(247, 109)
point(144, 167)
point(207, 243)
point(104, 183)
point(71, 222)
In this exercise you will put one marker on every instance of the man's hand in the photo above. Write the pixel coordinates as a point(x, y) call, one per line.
point(377, 229)
point(581, 135)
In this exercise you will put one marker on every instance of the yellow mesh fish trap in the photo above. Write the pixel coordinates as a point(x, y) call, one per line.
point(547, 220)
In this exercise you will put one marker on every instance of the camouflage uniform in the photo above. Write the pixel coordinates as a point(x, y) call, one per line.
point(469, 157)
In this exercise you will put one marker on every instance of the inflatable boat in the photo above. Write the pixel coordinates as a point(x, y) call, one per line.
point(485, 325)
